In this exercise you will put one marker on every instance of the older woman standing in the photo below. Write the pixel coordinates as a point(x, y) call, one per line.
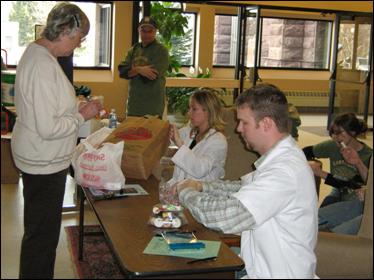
point(45, 134)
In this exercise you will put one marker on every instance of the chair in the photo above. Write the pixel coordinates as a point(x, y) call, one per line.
point(349, 256)
point(239, 160)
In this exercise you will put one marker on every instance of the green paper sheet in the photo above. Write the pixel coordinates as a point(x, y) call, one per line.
point(158, 246)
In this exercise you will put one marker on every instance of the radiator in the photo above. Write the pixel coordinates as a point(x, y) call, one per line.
point(300, 98)
point(296, 97)
point(308, 98)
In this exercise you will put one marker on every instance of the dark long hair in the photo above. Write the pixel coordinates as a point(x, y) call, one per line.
point(350, 123)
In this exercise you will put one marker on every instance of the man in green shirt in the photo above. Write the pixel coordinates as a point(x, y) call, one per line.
point(145, 67)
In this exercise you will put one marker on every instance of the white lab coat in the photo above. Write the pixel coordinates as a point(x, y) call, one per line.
point(205, 162)
point(281, 196)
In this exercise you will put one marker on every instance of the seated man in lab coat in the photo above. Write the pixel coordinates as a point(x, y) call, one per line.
point(274, 208)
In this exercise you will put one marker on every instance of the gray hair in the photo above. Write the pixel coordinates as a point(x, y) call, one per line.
point(65, 18)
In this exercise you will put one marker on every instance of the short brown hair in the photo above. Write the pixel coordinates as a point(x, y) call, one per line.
point(266, 100)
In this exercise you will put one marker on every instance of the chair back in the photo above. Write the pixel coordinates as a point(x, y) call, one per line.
point(366, 228)
point(239, 159)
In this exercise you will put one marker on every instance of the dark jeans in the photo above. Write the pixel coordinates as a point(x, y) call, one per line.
point(341, 217)
point(43, 198)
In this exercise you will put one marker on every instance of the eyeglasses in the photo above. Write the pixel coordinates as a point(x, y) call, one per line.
point(337, 132)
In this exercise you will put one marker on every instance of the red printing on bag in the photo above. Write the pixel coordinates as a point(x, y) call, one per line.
point(91, 177)
point(93, 157)
point(93, 168)
point(134, 133)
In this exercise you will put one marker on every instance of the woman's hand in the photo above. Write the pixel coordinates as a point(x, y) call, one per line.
point(90, 109)
point(317, 169)
point(350, 155)
point(360, 193)
point(174, 135)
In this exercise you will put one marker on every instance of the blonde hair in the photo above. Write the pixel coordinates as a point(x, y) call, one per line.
point(209, 101)
point(65, 18)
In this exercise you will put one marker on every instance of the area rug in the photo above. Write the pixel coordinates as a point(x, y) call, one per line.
point(98, 260)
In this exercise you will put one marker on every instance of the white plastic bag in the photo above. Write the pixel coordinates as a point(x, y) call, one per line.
point(100, 168)
point(95, 139)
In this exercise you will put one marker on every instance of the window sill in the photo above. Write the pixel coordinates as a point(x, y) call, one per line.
point(202, 82)
point(97, 76)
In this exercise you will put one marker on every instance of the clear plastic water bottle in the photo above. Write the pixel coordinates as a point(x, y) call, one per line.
point(113, 119)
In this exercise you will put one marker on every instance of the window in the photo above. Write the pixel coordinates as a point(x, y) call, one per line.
point(345, 47)
point(285, 43)
point(363, 39)
point(250, 39)
point(182, 48)
point(295, 43)
point(225, 40)
point(19, 18)
point(348, 46)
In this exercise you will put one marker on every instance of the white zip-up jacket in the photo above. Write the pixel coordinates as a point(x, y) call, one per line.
point(205, 162)
point(46, 129)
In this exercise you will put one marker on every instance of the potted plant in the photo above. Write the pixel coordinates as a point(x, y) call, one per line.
point(178, 97)
point(172, 24)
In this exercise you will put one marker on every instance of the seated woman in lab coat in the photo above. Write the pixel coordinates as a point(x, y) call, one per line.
point(202, 146)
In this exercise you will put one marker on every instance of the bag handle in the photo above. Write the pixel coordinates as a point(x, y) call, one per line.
point(87, 145)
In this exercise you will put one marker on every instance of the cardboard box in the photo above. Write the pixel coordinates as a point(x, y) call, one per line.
point(146, 140)
point(9, 172)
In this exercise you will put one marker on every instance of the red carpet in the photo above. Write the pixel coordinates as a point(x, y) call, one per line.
point(98, 260)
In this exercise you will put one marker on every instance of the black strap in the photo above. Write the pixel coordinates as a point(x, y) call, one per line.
point(193, 144)
point(308, 151)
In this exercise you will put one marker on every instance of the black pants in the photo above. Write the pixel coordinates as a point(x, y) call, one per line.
point(43, 198)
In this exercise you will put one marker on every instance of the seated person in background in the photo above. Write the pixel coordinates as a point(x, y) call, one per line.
point(202, 147)
point(349, 158)
point(274, 208)
point(345, 216)
point(294, 121)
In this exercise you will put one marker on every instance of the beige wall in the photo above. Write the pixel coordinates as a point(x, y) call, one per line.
point(115, 90)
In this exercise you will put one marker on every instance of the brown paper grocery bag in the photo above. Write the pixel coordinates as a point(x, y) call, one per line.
point(146, 140)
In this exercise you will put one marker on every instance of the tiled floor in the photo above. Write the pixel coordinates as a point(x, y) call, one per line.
point(12, 212)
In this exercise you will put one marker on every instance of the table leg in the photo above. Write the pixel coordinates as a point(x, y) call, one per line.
point(81, 223)
point(69, 180)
